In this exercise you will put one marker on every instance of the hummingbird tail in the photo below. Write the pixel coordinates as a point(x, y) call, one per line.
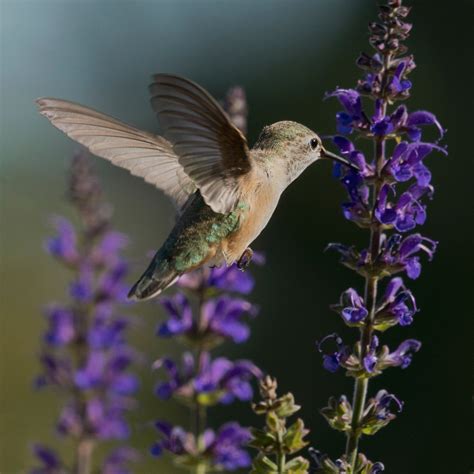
point(156, 278)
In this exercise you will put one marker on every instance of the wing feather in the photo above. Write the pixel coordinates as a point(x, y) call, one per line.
point(143, 154)
point(212, 151)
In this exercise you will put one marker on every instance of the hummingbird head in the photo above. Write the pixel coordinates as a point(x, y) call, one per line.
point(292, 147)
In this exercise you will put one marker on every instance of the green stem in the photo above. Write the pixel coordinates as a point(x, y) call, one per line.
point(370, 298)
point(281, 457)
point(84, 456)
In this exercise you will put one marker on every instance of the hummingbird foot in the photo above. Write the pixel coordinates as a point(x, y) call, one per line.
point(244, 261)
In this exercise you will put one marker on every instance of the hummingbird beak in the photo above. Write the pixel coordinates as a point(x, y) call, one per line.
point(327, 154)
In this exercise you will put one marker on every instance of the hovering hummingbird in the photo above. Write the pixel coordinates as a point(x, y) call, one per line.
point(224, 192)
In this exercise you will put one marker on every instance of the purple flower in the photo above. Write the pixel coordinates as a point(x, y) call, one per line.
point(223, 316)
point(351, 307)
point(106, 251)
point(406, 162)
point(227, 446)
point(82, 288)
point(398, 303)
point(369, 361)
point(50, 462)
point(64, 245)
point(421, 117)
point(222, 278)
point(403, 355)
point(407, 213)
point(228, 379)
point(179, 381)
point(61, 330)
point(398, 85)
point(382, 403)
point(118, 460)
point(400, 254)
point(348, 150)
point(218, 381)
point(334, 359)
point(223, 450)
point(180, 316)
point(352, 117)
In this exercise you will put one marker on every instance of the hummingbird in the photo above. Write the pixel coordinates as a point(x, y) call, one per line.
point(224, 192)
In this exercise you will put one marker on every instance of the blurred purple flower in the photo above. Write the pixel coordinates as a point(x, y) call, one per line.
point(85, 354)
point(64, 244)
point(224, 379)
point(223, 450)
point(50, 462)
point(222, 278)
point(118, 460)
point(220, 316)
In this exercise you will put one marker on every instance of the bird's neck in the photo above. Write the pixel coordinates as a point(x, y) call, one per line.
point(273, 168)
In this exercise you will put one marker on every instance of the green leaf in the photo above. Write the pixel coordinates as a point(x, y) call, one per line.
point(293, 439)
point(298, 465)
point(273, 423)
point(263, 440)
point(263, 465)
point(285, 406)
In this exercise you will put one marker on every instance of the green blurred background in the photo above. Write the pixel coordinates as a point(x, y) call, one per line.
point(286, 54)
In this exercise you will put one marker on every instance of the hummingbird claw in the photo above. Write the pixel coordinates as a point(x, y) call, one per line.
point(244, 261)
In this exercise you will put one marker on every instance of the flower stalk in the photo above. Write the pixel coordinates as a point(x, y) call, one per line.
point(382, 200)
point(85, 355)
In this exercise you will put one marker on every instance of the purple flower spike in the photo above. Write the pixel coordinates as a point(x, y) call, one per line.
point(85, 355)
point(387, 196)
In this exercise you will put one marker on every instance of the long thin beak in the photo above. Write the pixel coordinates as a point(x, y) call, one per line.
point(327, 154)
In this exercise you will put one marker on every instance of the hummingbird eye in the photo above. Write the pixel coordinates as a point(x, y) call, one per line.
point(314, 143)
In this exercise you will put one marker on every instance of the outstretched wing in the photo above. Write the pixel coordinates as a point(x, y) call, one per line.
point(212, 151)
point(143, 154)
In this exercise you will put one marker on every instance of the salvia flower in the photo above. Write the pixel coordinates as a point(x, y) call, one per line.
point(85, 354)
point(388, 196)
point(221, 450)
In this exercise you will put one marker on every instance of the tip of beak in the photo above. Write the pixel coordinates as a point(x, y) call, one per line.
point(339, 159)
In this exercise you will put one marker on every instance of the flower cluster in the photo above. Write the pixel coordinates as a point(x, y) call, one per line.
point(387, 196)
point(85, 354)
point(199, 381)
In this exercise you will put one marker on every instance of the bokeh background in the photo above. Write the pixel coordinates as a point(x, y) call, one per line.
point(286, 54)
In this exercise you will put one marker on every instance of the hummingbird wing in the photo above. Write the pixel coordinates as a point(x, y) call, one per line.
point(143, 154)
point(212, 151)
